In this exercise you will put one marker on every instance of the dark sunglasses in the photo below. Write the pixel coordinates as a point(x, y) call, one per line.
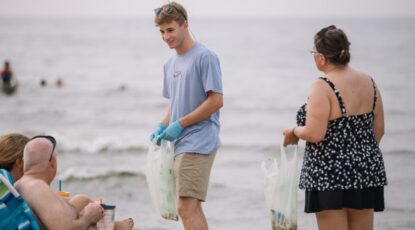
point(51, 139)
point(168, 9)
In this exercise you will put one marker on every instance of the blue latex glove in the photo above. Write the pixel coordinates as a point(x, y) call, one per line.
point(160, 128)
point(172, 132)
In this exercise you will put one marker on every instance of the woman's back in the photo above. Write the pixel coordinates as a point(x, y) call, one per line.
point(355, 88)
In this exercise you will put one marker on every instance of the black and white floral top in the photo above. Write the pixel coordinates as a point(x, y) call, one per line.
point(348, 157)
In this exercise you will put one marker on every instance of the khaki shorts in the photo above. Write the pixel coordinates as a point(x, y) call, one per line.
point(192, 171)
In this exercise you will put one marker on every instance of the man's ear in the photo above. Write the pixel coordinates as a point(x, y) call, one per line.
point(53, 163)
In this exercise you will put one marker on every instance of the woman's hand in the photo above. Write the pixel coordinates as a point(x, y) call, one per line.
point(289, 137)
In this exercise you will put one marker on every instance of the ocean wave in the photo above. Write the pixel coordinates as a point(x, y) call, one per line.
point(137, 148)
point(401, 210)
point(113, 146)
point(110, 146)
point(398, 151)
point(77, 174)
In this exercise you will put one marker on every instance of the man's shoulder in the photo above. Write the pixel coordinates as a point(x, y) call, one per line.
point(169, 60)
point(36, 193)
point(30, 185)
point(204, 51)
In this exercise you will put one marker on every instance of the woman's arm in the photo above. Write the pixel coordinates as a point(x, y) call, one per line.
point(318, 113)
point(379, 123)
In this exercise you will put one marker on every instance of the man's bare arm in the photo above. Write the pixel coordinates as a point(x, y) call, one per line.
point(211, 105)
point(53, 211)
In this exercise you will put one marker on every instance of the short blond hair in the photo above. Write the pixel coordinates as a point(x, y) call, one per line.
point(11, 149)
point(170, 12)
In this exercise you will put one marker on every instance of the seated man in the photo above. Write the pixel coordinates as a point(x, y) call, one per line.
point(51, 210)
point(11, 159)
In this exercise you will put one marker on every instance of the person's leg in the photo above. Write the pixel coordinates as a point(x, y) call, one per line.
point(126, 224)
point(190, 210)
point(332, 219)
point(79, 201)
point(202, 214)
point(192, 173)
point(360, 219)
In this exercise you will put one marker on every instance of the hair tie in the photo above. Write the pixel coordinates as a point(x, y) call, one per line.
point(342, 52)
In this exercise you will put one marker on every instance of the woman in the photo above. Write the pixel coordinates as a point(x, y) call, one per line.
point(11, 154)
point(14, 212)
point(343, 123)
point(11, 159)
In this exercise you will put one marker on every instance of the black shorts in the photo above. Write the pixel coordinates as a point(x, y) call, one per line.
point(369, 198)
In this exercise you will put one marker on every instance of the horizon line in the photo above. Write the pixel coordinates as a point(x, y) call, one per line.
point(205, 17)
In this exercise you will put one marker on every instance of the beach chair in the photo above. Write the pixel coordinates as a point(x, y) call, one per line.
point(14, 211)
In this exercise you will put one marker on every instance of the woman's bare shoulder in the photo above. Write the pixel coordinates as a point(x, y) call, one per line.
point(361, 75)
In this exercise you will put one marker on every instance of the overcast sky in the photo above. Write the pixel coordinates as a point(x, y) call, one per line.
point(212, 8)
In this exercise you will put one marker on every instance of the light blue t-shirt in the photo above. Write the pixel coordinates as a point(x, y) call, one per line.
point(187, 80)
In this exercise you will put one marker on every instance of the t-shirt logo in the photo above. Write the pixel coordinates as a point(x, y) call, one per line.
point(177, 74)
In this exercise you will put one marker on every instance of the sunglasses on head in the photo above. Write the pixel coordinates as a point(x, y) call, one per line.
point(168, 9)
point(51, 139)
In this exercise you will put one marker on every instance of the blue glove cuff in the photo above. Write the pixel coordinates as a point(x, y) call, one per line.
point(161, 127)
point(177, 126)
point(172, 132)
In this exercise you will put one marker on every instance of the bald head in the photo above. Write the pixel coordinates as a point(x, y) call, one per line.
point(37, 152)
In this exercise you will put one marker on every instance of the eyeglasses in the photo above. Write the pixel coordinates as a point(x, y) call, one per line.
point(168, 9)
point(314, 52)
point(51, 139)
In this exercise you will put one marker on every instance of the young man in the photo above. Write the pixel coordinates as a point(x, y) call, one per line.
point(192, 83)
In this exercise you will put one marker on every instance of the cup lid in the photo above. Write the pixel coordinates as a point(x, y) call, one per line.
point(108, 206)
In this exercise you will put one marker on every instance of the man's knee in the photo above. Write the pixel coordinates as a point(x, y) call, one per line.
point(82, 198)
point(188, 207)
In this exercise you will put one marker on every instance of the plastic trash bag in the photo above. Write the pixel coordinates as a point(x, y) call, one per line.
point(160, 179)
point(281, 190)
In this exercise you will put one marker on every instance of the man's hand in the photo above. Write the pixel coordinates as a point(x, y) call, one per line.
point(172, 132)
point(160, 128)
point(92, 213)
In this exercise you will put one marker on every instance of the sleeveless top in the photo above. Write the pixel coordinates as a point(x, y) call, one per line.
point(348, 157)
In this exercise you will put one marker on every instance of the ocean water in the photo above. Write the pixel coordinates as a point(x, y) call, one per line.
point(111, 101)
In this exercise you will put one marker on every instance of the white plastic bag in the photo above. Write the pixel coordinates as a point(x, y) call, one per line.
point(160, 179)
point(281, 190)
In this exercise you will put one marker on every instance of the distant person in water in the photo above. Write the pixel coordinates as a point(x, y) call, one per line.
point(59, 83)
point(7, 74)
point(43, 83)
